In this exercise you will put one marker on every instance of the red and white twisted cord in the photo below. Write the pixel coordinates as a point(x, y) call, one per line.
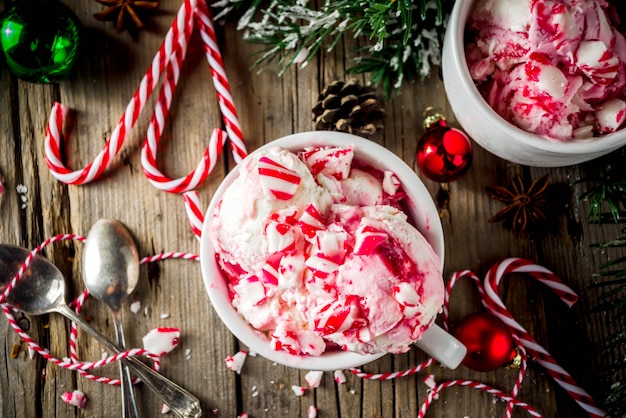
point(476, 385)
point(495, 305)
point(73, 363)
point(392, 375)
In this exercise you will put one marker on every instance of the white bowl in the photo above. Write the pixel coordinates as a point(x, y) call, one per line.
point(489, 129)
point(421, 211)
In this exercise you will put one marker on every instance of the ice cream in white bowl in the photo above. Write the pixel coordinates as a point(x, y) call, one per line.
point(561, 71)
point(324, 251)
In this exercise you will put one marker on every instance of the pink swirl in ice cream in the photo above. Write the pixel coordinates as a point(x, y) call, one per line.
point(556, 68)
point(319, 255)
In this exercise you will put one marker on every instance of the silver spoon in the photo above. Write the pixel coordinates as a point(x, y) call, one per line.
point(41, 290)
point(110, 273)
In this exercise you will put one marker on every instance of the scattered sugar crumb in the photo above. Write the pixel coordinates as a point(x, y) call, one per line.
point(75, 398)
point(236, 361)
point(165, 409)
point(161, 341)
point(135, 306)
point(165, 315)
point(21, 189)
point(339, 376)
point(352, 391)
point(298, 390)
point(145, 311)
point(31, 352)
point(430, 381)
point(103, 355)
point(188, 354)
point(314, 378)
point(312, 411)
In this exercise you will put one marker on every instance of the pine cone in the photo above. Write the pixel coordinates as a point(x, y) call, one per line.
point(350, 107)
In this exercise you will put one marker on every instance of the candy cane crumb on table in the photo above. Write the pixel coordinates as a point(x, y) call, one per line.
point(269, 107)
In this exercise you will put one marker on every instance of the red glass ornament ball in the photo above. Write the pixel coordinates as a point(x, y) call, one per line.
point(443, 153)
point(489, 342)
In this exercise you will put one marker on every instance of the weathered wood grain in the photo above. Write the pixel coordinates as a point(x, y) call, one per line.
point(172, 292)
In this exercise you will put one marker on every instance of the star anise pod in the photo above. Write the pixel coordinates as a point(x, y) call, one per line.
point(128, 14)
point(525, 208)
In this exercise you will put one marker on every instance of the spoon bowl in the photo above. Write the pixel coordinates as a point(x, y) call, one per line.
point(111, 263)
point(111, 273)
point(33, 296)
point(41, 290)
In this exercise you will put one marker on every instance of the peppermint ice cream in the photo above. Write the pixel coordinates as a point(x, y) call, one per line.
point(319, 255)
point(556, 68)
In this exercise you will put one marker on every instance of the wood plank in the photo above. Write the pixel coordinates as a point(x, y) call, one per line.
point(172, 292)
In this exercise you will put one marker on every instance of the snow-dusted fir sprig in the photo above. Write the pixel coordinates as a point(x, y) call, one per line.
point(403, 37)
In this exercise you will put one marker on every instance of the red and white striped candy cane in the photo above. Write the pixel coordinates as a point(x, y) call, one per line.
point(220, 81)
point(446, 295)
point(194, 212)
point(495, 305)
point(57, 116)
point(481, 290)
point(218, 138)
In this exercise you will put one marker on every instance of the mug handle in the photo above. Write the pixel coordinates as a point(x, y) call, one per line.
point(442, 346)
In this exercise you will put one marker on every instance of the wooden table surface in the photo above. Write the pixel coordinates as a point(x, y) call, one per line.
point(172, 293)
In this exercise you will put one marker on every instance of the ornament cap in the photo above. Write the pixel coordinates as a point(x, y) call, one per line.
point(431, 116)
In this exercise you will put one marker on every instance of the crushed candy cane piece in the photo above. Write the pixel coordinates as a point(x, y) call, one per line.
point(339, 376)
point(311, 411)
point(314, 378)
point(611, 115)
point(135, 307)
point(329, 161)
point(76, 398)
point(243, 415)
point(298, 390)
point(161, 341)
point(165, 315)
point(391, 183)
point(165, 409)
point(430, 381)
point(278, 179)
point(236, 361)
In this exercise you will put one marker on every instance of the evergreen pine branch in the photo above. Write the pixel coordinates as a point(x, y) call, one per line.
point(404, 37)
point(606, 190)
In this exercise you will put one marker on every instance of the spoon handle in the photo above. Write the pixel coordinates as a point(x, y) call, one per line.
point(129, 405)
point(181, 402)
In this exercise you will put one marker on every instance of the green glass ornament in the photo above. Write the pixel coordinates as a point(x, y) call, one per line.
point(40, 40)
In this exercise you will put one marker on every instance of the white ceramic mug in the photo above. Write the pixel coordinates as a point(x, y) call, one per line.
point(422, 211)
